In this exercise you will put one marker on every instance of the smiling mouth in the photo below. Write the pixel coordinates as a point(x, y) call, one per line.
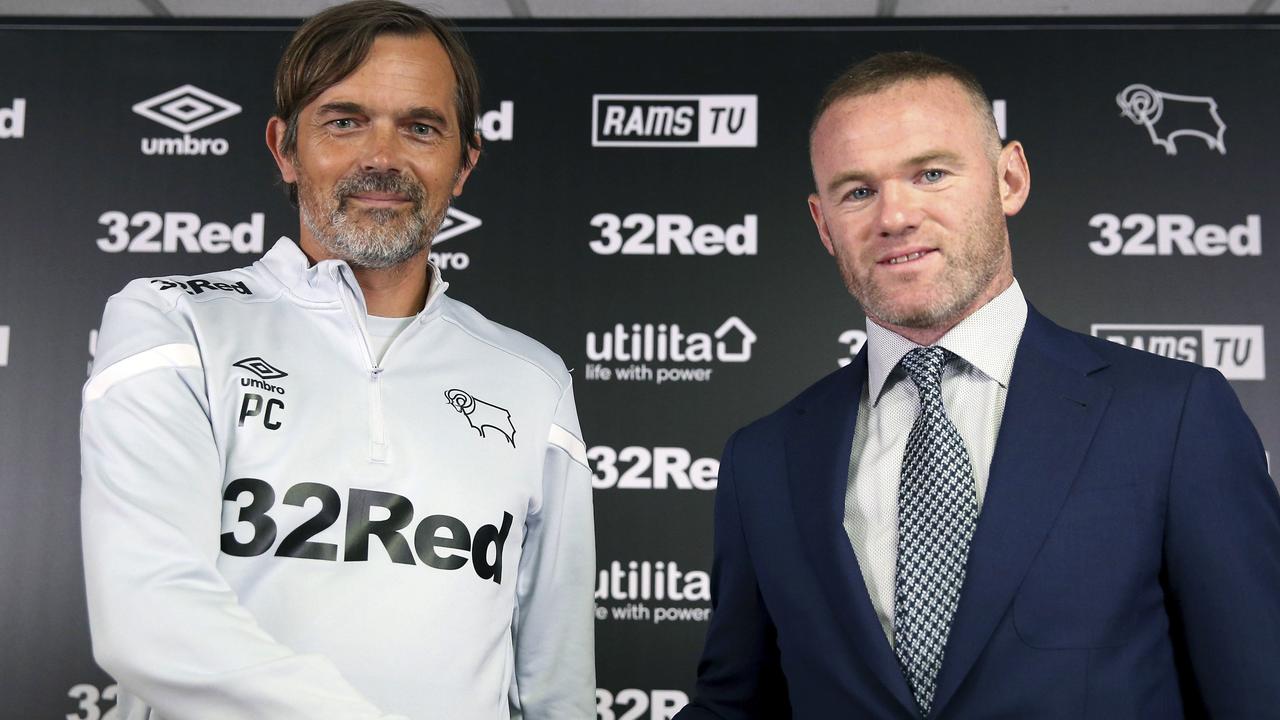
point(909, 257)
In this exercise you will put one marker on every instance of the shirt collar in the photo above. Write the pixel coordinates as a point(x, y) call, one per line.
point(987, 340)
point(318, 282)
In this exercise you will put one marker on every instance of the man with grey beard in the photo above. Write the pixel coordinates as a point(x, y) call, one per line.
point(318, 487)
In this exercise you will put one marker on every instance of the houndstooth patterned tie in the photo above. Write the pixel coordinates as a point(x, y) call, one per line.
point(937, 511)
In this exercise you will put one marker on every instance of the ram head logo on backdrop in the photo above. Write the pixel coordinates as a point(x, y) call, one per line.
point(1168, 116)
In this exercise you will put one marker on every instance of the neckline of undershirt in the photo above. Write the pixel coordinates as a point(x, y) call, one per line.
point(385, 326)
point(383, 331)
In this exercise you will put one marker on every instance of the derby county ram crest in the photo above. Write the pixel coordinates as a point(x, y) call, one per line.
point(1168, 116)
point(481, 414)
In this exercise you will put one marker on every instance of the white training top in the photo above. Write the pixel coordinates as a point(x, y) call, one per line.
point(278, 526)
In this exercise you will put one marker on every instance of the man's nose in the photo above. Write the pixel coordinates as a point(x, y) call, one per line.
point(381, 151)
point(900, 211)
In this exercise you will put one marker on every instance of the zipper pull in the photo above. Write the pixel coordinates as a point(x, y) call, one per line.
point(377, 433)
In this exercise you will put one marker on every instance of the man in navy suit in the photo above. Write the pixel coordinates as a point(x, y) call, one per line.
point(984, 515)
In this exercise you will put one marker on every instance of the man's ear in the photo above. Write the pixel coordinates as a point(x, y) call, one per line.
point(275, 143)
point(1015, 178)
point(815, 210)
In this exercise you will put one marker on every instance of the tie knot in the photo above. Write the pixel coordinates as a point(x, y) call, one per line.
point(924, 365)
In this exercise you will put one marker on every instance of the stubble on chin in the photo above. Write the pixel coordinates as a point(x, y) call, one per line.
point(374, 238)
point(970, 267)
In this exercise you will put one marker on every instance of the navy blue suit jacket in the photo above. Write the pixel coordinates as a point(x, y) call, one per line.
point(1126, 562)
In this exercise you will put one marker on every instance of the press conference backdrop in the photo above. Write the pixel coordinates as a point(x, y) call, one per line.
point(640, 208)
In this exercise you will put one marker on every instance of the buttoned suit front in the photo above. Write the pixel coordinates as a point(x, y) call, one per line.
point(1126, 561)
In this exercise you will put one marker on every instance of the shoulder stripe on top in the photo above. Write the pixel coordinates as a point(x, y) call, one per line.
point(569, 443)
point(175, 355)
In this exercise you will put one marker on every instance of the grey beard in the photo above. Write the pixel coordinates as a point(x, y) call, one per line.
point(386, 238)
point(376, 245)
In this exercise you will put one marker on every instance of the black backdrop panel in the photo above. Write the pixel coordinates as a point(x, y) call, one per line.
point(640, 208)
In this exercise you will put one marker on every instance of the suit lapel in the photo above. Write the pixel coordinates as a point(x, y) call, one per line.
point(818, 443)
point(1051, 412)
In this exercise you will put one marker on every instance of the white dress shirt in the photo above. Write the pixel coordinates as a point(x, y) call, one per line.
point(974, 388)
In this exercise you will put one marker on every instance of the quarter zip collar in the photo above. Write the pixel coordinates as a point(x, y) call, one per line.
point(327, 280)
point(333, 281)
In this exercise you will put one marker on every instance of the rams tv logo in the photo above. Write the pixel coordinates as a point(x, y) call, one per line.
point(481, 414)
point(673, 121)
point(1234, 350)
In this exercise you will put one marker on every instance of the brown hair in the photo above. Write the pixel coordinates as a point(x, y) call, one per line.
point(333, 44)
point(884, 70)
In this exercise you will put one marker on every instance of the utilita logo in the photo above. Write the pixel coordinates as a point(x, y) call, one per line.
point(186, 109)
point(13, 120)
point(673, 121)
point(643, 344)
point(454, 224)
point(1234, 350)
point(646, 580)
point(1167, 117)
point(667, 234)
point(626, 591)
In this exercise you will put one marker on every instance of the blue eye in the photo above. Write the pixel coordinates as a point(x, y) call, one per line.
point(421, 129)
point(933, 176)
point(343, 123)
point(861, 193)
